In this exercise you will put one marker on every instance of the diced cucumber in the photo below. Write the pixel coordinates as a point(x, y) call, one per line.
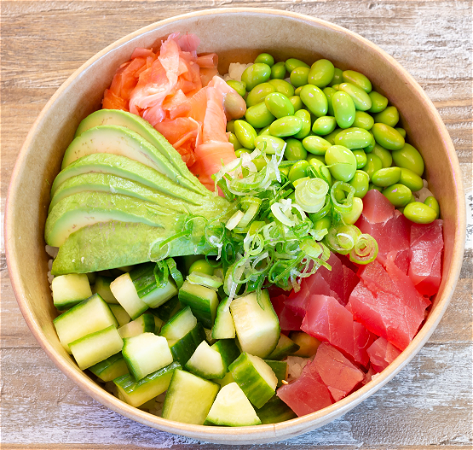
point(208, 336)
point(91, 276)
point(279, 368)
point(102, 287)
point(96, 347)
point(202, 301)
point(284, 348)
point(308, 344)
point(158, 324)
point(228, 349)
point(144, 324)
point(203, 279)
point(85, 318)
point(189, 398)
point(183, 322)
point(232, 408)
point(223, 328)
point(146, 353)
point(227, 379)
point(111, 368)
point(275, 411)
point(175, 273)
point(255, 377)
point(124, 291)
point(206, 362)
point(257, 329)
point(168, 310)
point(184, 348)
point(138, 393)
point(69, 290)
point(120, 314)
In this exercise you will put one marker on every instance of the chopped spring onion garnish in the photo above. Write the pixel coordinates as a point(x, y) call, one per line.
point(310, 194)
point(341, 188)
point(234, 220)
point(365, 250)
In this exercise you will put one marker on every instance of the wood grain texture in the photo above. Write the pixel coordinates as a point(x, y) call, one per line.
point(428, 405)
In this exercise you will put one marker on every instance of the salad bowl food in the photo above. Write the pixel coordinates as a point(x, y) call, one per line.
point(248, 32)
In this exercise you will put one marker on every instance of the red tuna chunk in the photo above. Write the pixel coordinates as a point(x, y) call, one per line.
point(288, 320)
point(382, 353)
point(376, 207)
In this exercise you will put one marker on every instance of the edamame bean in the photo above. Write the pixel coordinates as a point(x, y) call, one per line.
point(351, 217)
point(383, 155)
point(239, 86)
point(373, 164)
point(343, 109)
point(286, 126)
point(298, 90)
point(259, 163)
point(387, 136)
point(314, 99)
point(363, 120)
point(283, 87)
point(296, 102)
point(324, 125)
point(398, 194)
point(337, 77)
point(234, 105)
point(245, 134)
point(322, 224)
point(331, 137)
point(294, 150)
point(274, 145)
point(284, 171)
point(255, 74)
point(299, 76)
point(409, 158)
point(335, 86)
point(304, 115)
point(203, 266)
point(353, 138)
point(231, 126)
point(329, 91)
point(360, 182)
point(378, 102)
point(321, 73)
point(321, 169)
point(259, 116)
point(360, 156)
point(265, 58)
point(316, 145)
point(418, 212)
point(234, 141)
point(240, 151)
point(434, 204)
point(341, 162)
point(264, 131)
point(320, 158)
point(358, 79)
point(279, 105)
point(386, 177)
point(292, 63)
point(411, 180)
point(390, 116)
point(298, 170)
point(360, 98)
point(259, 93)
point(376, 188)
point(278, 71)
point(401, 131)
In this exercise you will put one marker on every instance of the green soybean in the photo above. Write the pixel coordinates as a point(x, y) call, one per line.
point(337, 77)
point(358, 79)
point(341, 162)
point(361, 99)
point(298, 170)
point(390, 116)
point(279, 105)
point(265, 58)
point(361, 159)
point(384, 155)
point(231, 126)
point(343, 109)
point(283, 87)
point(353, 138)
point(331, 137)
point(418, 212)
point(264, 131)
point(292, 63)
point(433, 203)
point(374, 187)
point(370, 147)
point(398, 194)
point(360, 182)
point(321, 169)
point(274, 145)
point(373, 164)
point(285, 126)
point(411, 180)
point(298, 90)
point(387, 136)
point(259, 93)
point(245, 134)
point(329, 91)
point(321, 73)
point(316, 145)
point(304, 115)
point(386, 177)
point(401, 131)
point(239, 86)
point(352, 216)
point(322, 224)
point(294, 150)
point(284, 171)
point(259, 116)
point(259, 163)
point(378, 102)
point(278, 71)
point(324, 125)
point(296, 102)
point(240, 151)
point(255, 74)
point(234, 141)
point(363, 120)
point(314, 99)
point(299, 76)
point(320, 158)
point(409, 158)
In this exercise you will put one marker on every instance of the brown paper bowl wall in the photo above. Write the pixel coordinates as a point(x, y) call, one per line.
point(236, 35)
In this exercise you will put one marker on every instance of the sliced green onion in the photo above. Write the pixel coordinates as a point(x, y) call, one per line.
point(234, 220)
point(347, 204)
point(365, 250)
point(310, 194)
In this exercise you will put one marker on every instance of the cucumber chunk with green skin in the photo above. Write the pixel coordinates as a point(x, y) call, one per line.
point(175, 273)
point(202, 301)
point(87, 317)
point(209, 281)
point(138, 393)
point(158, 324)
point(275, 411)
point(227, 379)
point(257, 327)
point(143, 324)
point(232, 408)
point(168, 310)
point(208, 336)
point(120, 314)
point(146, 353)
point(184, 348)
point(124, 291)
point(206, 362)
point(307, 343)
point(102, 287)
point(96, 347)
point(179, 325)
point(255, 377)
point(284, 348)
point(228, 349)
point(110, 368)
point(189, 398)
point(223, 328)
point(280, 369)
point(69, 290)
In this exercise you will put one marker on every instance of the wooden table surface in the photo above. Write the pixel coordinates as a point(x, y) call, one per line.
point(428, 405)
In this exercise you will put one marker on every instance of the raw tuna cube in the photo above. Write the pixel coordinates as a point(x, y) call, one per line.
point(376, 207)
point(368, 376)
point(382, 353)
point(288, 321)
point(307, 394)
point(362, 340)
point(401, 259)
point(425, 267)
point(336, 371)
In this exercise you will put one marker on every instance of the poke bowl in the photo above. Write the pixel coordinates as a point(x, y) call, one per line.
point(285, 36)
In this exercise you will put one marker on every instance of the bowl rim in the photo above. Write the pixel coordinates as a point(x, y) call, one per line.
point(269, 432)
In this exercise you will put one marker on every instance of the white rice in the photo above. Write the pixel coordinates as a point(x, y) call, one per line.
point(235, 70)
point(295, 365)
point(422, 194)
